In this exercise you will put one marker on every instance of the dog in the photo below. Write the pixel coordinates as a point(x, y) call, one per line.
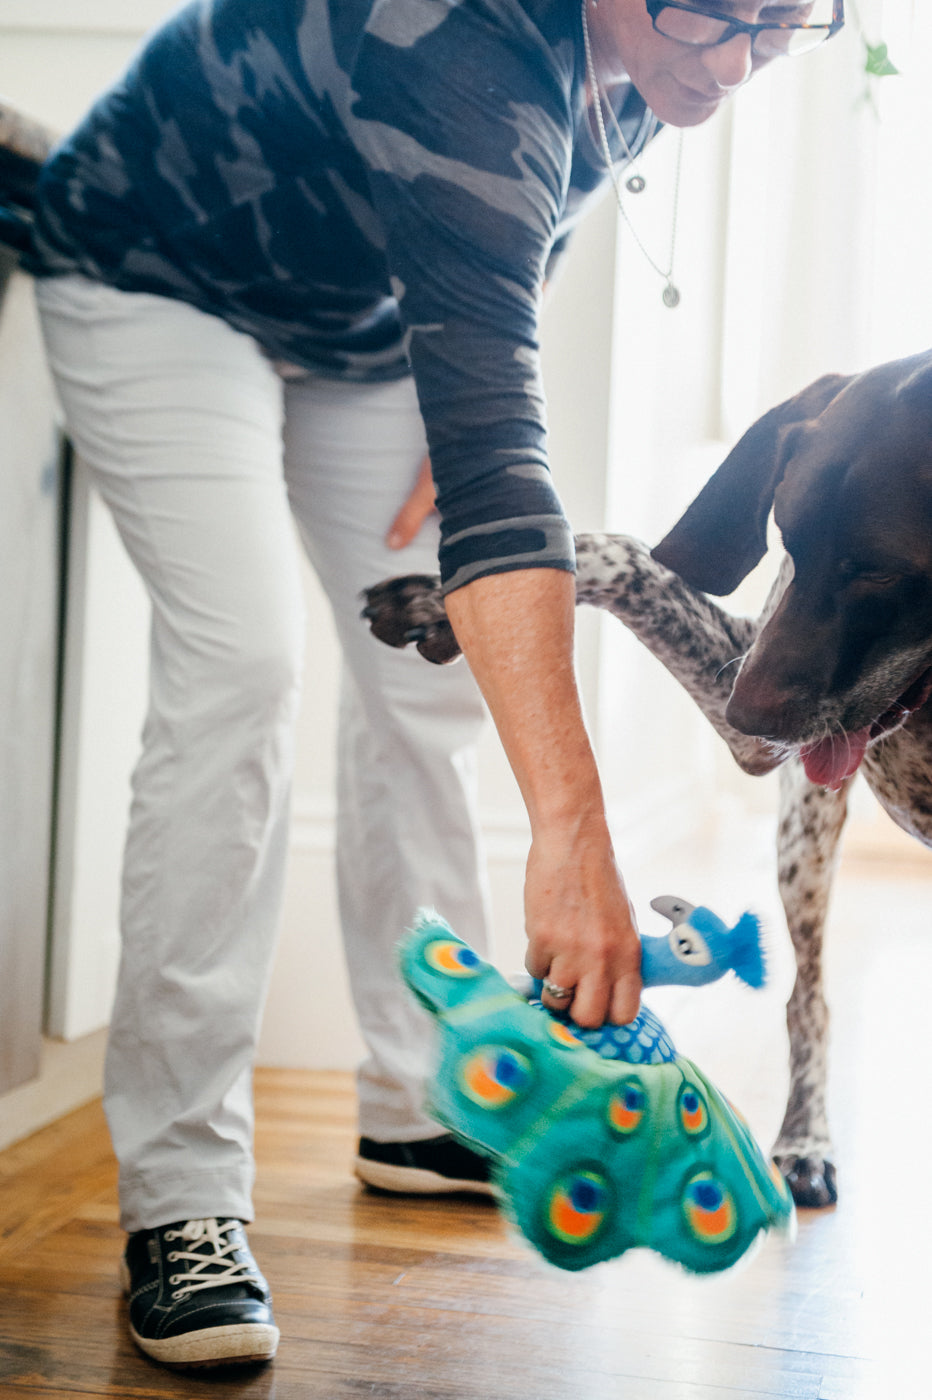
point(835, 676)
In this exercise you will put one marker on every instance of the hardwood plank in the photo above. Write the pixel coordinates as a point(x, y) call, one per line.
point(49, 1177)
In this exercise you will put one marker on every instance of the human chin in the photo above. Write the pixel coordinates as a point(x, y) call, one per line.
point(678, 105)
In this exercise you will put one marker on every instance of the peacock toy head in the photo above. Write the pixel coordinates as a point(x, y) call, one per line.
point(700, 947)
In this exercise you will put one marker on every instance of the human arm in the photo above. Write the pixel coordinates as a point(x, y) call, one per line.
point(516, 630)
point(470, 184)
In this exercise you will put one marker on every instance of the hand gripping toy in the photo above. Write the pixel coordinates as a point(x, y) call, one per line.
point(597, 1153)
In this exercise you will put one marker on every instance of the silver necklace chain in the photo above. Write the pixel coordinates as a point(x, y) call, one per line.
point(671, 293)
point(635, 182)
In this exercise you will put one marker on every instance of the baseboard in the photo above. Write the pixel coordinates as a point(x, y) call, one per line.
point(70, 1074)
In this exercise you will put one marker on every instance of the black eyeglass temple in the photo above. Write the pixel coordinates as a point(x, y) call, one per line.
point(837, 21)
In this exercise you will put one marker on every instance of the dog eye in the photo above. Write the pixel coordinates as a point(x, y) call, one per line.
point(874, 574)
point(876, 577)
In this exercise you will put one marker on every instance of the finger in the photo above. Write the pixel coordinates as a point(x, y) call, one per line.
point(626, 999)
point(590, 1003)
point(537, 961)
point(418, 506)
point(557, 996)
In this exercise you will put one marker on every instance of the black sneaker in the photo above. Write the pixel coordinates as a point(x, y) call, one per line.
point(430, 1167)
point(196, 1296)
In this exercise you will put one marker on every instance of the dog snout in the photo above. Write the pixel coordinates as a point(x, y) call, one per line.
point(766, 708)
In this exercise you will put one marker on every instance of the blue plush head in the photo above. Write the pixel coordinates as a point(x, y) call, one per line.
point(700, 947)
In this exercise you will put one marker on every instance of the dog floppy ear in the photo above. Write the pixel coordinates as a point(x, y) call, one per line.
point(723, 534)
point(915, 392)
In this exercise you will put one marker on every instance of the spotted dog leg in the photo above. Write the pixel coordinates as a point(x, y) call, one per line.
point(811, 822)
point(698, 642)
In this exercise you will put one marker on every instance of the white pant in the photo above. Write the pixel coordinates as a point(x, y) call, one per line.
point(204, 457)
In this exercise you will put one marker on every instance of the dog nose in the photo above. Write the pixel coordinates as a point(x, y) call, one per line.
point(766, 709)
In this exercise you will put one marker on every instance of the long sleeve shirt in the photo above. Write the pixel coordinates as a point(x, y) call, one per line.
point(369, 188)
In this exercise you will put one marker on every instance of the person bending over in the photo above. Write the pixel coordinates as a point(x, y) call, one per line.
point(295, 249)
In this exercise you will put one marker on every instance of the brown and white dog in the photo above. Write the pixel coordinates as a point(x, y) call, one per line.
point(835, 676)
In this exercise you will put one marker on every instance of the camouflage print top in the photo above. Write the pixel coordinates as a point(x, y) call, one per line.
point(367, 187)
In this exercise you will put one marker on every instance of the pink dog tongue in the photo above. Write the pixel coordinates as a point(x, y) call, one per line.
point(831, 761)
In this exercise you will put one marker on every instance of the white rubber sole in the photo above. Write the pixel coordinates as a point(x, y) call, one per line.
point(415, 1181)
point(240, 1344)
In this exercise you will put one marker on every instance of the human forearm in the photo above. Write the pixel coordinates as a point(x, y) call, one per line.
point(516, 630)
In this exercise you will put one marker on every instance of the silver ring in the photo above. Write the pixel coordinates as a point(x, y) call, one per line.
point(558, 993)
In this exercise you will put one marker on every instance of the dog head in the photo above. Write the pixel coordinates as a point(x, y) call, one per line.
point(846, 655)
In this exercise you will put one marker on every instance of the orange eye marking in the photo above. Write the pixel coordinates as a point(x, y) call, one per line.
point(694, 1115)
point(495, 1076)
point(578, 1207)
point(455, 959)
point(626, 1108)
point(483, 1087)
point(709, 1209)
point(563, 1035)
point(572, 1223)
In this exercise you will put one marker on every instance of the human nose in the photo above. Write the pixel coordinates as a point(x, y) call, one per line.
point(729, 64)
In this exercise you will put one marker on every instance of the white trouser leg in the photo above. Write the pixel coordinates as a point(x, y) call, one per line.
point(179, 419)
point(407, 831)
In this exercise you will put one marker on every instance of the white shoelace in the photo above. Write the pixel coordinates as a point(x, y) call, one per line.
point(208, 1258)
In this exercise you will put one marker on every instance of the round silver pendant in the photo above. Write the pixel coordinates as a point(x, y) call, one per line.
point(671, 296)
point(635, 184)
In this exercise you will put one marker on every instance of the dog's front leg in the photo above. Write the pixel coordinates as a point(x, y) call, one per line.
point(699, 643)
point(811, 822)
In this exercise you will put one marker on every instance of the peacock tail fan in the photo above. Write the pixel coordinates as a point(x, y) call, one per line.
point(659, 1161)
point(592, 1156)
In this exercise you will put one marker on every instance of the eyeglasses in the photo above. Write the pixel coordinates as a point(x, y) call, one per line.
point(785, 34)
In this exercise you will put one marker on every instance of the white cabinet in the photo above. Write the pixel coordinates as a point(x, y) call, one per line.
point(29, 473)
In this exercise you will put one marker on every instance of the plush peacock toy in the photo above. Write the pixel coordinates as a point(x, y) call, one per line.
point(599, 1150)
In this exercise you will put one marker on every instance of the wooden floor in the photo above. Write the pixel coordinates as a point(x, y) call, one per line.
point(407, 1300)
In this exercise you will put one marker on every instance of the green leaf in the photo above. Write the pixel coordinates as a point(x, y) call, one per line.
point(878, 64)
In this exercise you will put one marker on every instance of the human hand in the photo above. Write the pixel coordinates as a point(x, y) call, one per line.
point(407, 523)
point(581, 929)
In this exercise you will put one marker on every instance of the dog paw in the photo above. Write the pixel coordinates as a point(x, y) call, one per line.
point(811, 1180)
point(410, 609)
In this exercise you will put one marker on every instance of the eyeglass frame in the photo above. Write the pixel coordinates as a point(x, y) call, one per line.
point(738, 26)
